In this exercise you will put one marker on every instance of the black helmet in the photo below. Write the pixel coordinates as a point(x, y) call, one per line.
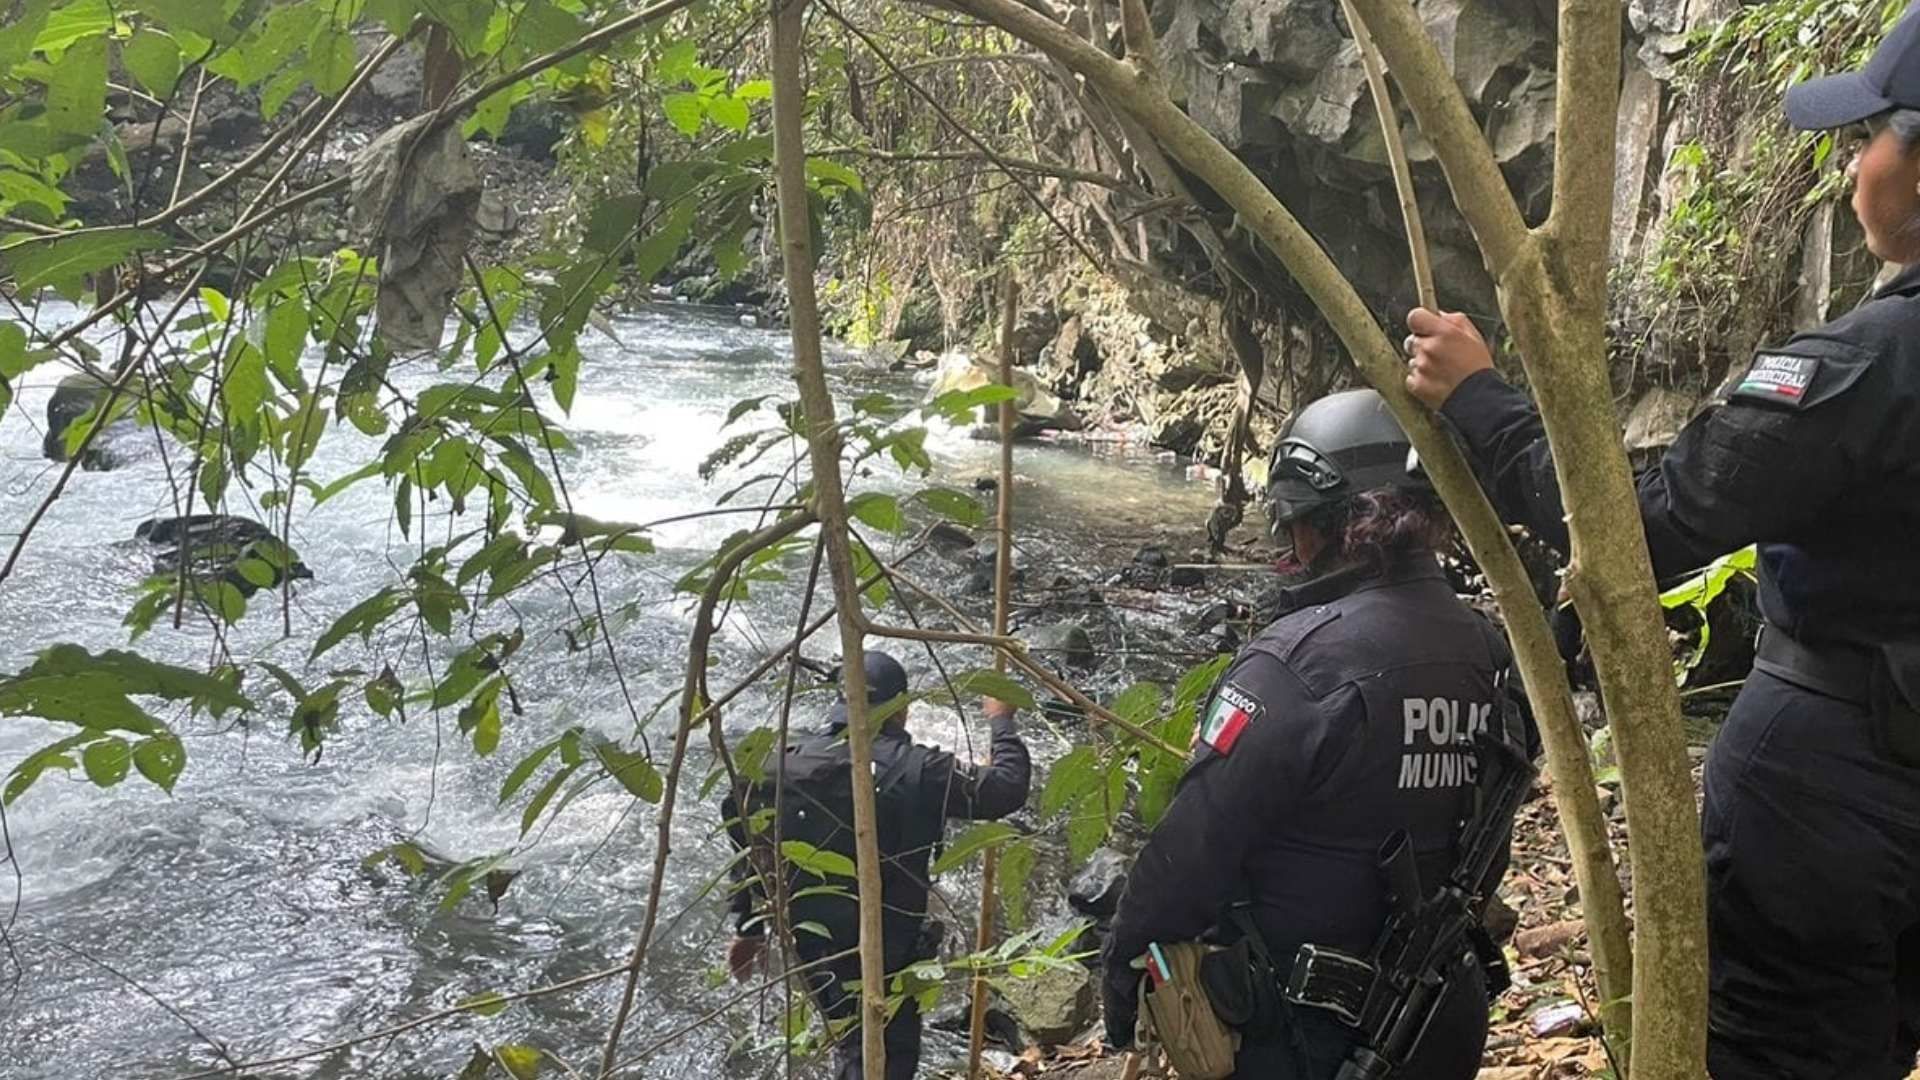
point(1335, 448)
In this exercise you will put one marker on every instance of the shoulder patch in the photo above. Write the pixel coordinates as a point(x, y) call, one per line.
point(1781, 378)
point(1233, 711)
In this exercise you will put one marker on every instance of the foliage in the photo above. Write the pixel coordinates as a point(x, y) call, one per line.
point(1745, 185)
point(1697, 594)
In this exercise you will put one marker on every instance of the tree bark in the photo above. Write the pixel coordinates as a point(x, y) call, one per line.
point(823, 445)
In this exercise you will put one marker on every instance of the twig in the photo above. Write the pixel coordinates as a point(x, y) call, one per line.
point(696, 651)
point(1002, 595)
point(967, 134)
point(489, 1001)
point(1376, 70)
point(1019, 164)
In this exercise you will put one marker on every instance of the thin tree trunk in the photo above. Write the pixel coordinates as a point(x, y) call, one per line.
point(1134, 90)
point(1002, 602)
point(1553, 297)
point(823, 445)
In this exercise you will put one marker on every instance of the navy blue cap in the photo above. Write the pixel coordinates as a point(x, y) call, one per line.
point(1891, 80)
point(886, 680)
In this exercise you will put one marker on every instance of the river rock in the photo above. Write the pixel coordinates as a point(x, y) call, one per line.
point(1053, 1005)
point(213, 546)
point(1656, 419)
point(1039, 410)
point(1095, 891)
point(1066, 642)
point(1154, 556)
point(1186, 577)
point(74, 397)
point(950, 541)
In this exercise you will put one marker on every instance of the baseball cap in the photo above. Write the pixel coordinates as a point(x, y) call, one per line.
point(886, 680)
point(1891, 80)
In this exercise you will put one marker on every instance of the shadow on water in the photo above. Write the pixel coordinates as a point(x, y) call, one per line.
point(242, 902)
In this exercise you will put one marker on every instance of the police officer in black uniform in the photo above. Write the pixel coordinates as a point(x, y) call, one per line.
point(1812, 819)
point(924, 787)
point(1347, 719)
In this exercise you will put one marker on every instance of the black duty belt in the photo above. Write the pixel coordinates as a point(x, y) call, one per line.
point(1839, 671)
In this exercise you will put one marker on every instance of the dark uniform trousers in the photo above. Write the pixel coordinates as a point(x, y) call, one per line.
point(836, 991)
point(1348, 720)
point(1811, 826)
point(1813, 864)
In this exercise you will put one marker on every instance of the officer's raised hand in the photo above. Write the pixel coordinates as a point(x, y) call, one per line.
point(996, 711)
point(1443, 350)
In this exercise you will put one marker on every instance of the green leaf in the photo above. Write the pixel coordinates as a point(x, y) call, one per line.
point(816, 861)
point(67, 684)
point(285, 338)
point(72, 22)
point(957, 507)
point(521, 1062)
point(106, 761)
point(1016, 868)
point(37, 261)
point(18, 188)
point(17, 44)
point(531, 816)
point(729, 112)
point(245, 387)
point(331, 61)
point(986, 682)
point(684, 112)
point(491, 1003)
point(383, 693)
point(1139, 703)
point(987, 834)
point(633, 771)
point(677, 61)
point(160, 760)
point(363, 618)
point(827, 172)
point(740, 408)
point(202, 17)
point(754, 90)
point(524, 771)
point(1073, 776)
point(154, 59)
point(77, 96)
point(880, 511)
point(958, 405)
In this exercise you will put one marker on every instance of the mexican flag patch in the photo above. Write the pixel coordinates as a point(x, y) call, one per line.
point(1233, 709)
point(1779, 378)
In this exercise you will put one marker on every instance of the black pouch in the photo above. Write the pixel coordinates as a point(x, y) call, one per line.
point(1241, 984)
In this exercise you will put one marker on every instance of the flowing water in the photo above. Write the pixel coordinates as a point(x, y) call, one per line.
point(239, 906)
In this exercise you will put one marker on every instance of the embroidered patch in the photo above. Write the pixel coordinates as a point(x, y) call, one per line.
point(1233, 709)
point(1779, 378)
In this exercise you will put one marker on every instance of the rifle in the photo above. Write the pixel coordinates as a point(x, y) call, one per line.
point(1393, 994)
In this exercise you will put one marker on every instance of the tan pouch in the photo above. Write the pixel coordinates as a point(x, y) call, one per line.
point(1181, 1018)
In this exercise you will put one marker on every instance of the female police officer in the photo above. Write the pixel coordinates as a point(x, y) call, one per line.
point(1812, 820)
point(1349, 719)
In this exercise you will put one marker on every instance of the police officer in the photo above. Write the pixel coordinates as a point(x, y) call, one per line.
point(1347, 719)
point(1814, 778)
point(920, 787)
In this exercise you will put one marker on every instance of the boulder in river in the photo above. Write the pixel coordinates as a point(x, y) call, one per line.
point(1039, 410)
point(75, 397)
point(1095, 891)
point(1054, 1004)
point(1066, 642)
point(237, 550)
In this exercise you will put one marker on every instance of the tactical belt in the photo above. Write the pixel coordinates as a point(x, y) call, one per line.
point(1839, 671)
point(1329, 979)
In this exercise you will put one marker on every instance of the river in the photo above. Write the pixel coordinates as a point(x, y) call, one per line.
point(239, 905)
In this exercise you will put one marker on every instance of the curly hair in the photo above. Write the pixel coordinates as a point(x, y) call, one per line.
point(1378, 527)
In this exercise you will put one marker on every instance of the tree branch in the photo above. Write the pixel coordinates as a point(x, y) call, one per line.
point(1375, 68)
point(1479, 188)
point(1040, 168)
point(1581, 220)
point(723, 571)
